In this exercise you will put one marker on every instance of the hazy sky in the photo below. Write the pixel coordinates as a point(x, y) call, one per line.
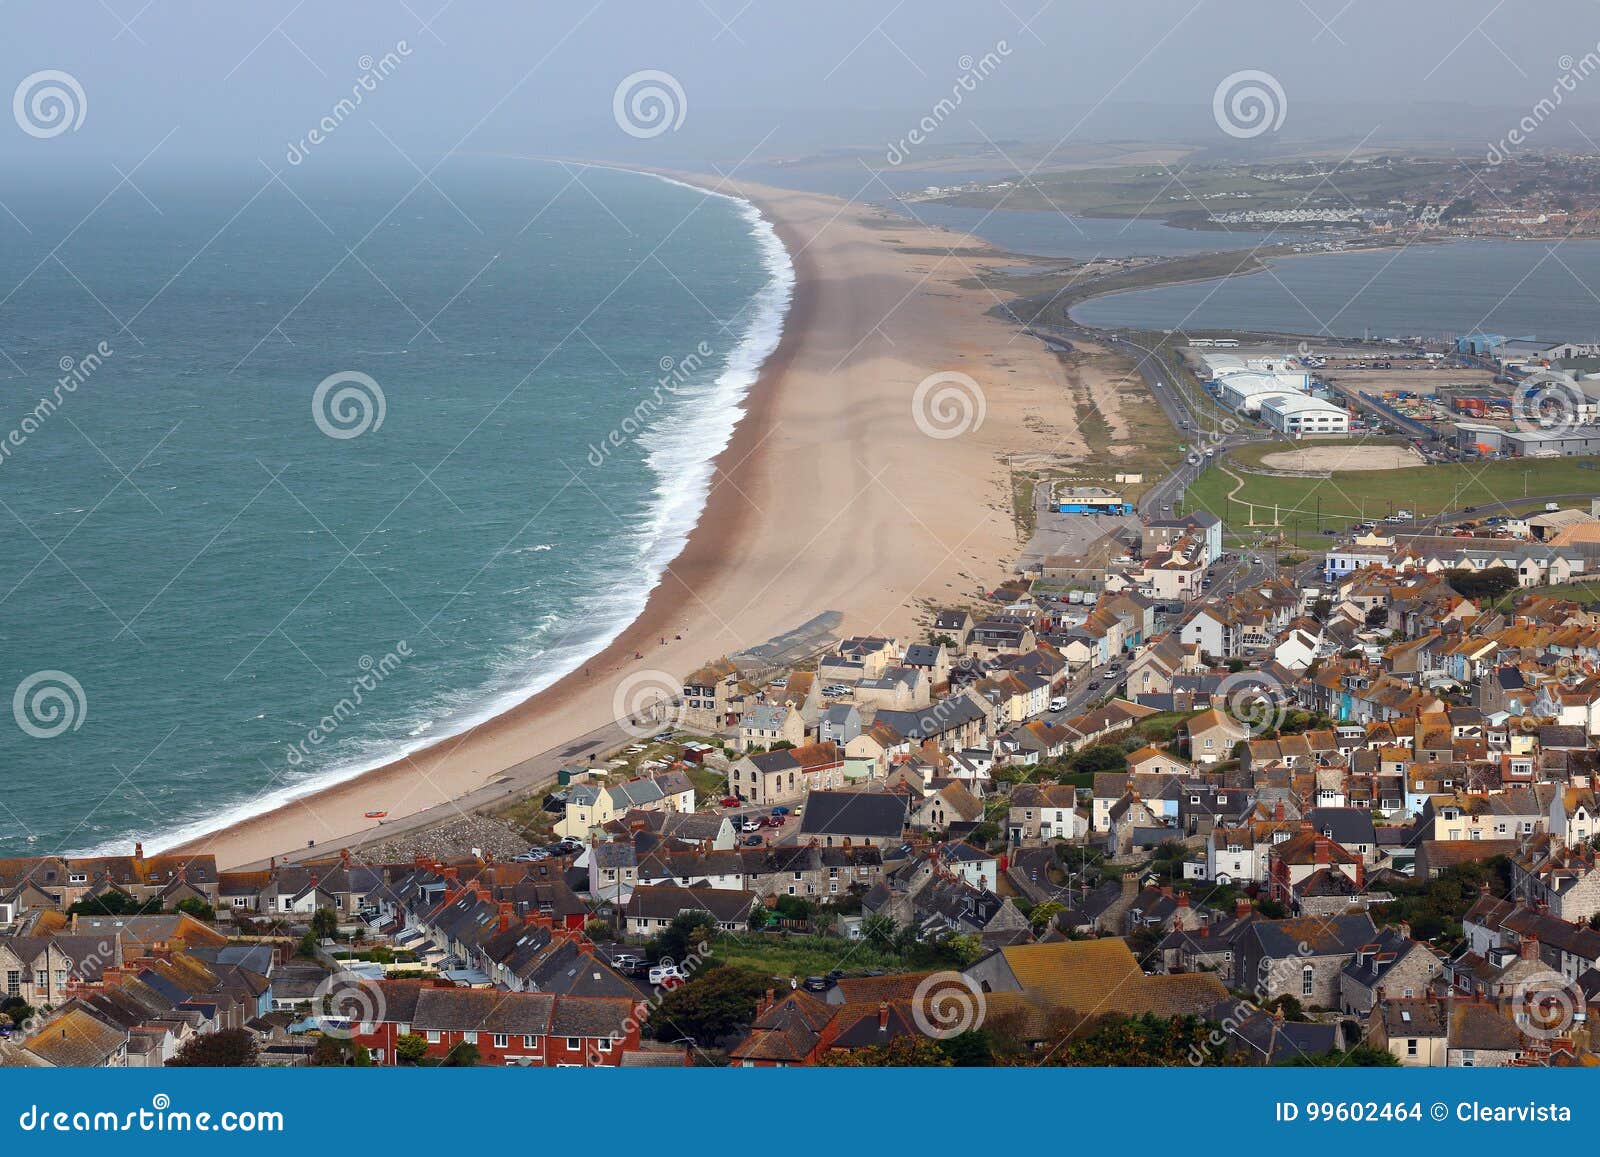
point(248, 79)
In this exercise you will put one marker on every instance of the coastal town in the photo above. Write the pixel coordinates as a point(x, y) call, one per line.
point(1188, 788)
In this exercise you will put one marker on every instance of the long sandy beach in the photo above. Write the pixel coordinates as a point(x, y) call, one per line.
point(831, 496)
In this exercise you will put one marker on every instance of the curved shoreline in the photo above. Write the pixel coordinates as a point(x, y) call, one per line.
point(822, 501)
point(696, 557)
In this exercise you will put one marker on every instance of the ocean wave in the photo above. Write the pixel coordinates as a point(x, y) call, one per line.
point(680, 451)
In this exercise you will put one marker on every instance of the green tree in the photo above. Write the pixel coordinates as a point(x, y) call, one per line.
point(1492, 583)
point(683, 937)
point(905, 1052)
point(969, 1050)
point(410, 1048)
point(1100, 757)
point(463, 1056)
point(715, 1003)
point(1041, 916)
point(1360, 1057)
point(114, 903)
point(324, 923)
point(232, 1048)
point(197, 908)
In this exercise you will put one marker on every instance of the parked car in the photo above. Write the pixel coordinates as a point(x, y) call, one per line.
point(753, 824)
point(731, 801)
point(626, 963)
point(752, 841)
point(780, 810)
point(1059, 703)
point(771, 821)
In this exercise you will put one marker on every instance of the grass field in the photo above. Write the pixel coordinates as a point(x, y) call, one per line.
point(1259, 501)
point(782, 955)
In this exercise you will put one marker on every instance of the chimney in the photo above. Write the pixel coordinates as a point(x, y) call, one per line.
point(507, 912)
point(1183, 899)
point(1277, 812)
point(344, 856)
point(1529, 949)
point(138, 853)
point(883, 1016)
point(1321, 854)
point(449, 873)
point(1241, 908)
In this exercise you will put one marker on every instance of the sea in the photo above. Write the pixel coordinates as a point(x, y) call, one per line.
point(300, 472)
point(1515, 288)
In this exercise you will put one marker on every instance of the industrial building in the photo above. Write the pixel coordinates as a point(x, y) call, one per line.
point(1557, 442)
point(1247, 390)
point(1089, 500)
point(1303, 414)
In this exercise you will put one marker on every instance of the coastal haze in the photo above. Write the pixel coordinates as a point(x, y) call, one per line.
point(411, 410)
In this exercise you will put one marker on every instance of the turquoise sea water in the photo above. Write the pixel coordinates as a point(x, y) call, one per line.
point(184, 542)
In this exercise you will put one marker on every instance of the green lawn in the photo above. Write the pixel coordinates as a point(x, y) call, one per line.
point(1493, 487)
point(783, 955)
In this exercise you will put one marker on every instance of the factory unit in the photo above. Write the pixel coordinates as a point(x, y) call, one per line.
point(1557, 442)
point(1247, 390)
point(1298, 414)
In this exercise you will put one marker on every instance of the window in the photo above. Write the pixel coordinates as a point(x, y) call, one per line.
point(433, 1037)
point(13, 983)
point(1469, 1058)
point(574, 1043)
point(41, 977)
point(530, 1042)
point(605, 1044)
point(499, 1040)
point(77, 878)
point(1307, 980)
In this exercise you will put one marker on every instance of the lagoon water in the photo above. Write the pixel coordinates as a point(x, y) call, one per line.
point(185, 543)
point(1514, 288)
